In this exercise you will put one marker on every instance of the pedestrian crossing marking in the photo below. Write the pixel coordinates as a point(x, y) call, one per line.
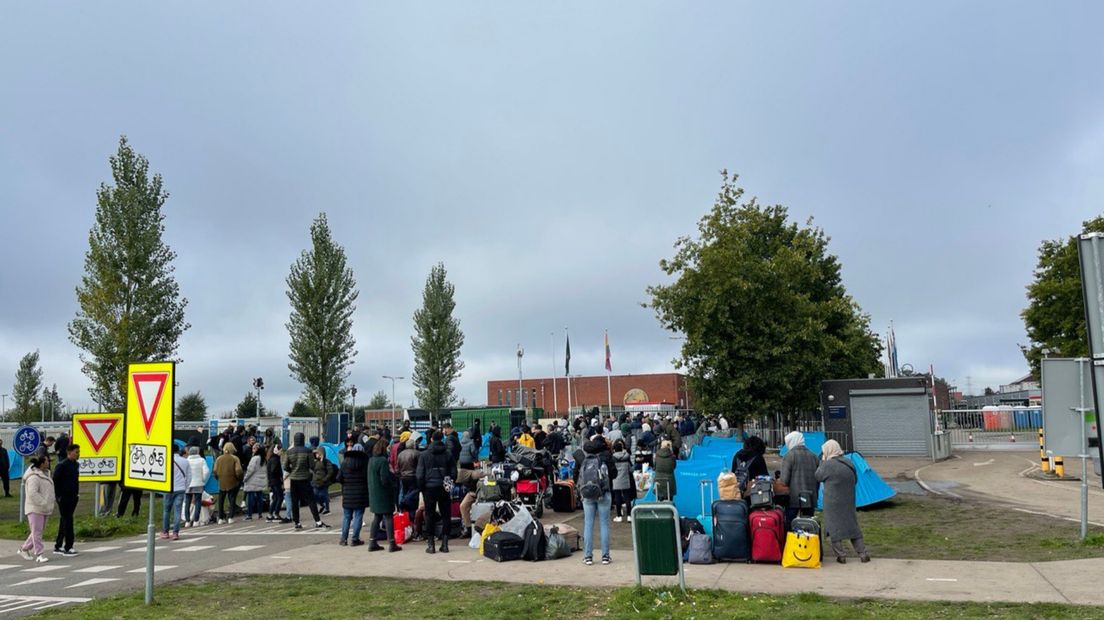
point(195, 548)
point(35, 580)
point(96, 569)
point(245, 548)
point(141, 549)
point(7, 566)
point(44, 569)
point(156, 569)
point(101, 549)
point(92, 582)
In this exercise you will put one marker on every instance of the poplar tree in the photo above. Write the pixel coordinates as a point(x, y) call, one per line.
point(436, 343)
point(27, 390)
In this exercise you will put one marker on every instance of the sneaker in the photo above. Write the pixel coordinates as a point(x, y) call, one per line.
point(229, 521)
point(321, 524)
point(222, 521)
point(174, 536)
point(605, 560)
point(58, 551)
point(26, 555)
point(342, 543)
point(629, 519)
point(164, 536)
point(70, 553)
point(617, 519)
point(864, 558)
point(42, 559)
point(249, 518)
point(298, 526)
point(588, 561)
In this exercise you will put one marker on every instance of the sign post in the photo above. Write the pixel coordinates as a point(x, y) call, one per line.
point(102, 433)
point(27, 439)
point(148, 449)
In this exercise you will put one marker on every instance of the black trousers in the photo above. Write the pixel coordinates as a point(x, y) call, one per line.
point(388, 523)
point(302, 491)
point(277, 505)
point(66, 508)
point(127, 495)
point(232, 495)
point(5, 479)
point(437, 508)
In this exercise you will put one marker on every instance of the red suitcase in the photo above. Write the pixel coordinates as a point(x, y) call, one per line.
point(767, 535)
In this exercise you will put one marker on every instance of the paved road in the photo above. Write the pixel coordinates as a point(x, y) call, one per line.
point(116, 566)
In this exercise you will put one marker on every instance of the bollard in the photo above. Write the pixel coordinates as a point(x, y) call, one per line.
point(1059, 467)
point(1044, 462)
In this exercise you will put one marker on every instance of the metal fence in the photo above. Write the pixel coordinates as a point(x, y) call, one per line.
point(994, 428)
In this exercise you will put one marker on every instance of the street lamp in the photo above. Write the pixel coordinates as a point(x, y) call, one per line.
point(352, 414)
point(3, 406)
point(258, 384)
point(393, 379)
point(521, 390)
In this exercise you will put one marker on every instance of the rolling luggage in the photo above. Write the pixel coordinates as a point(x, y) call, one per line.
point(700, 549)
point(563, 496)
point(762, 493)
point(766, 535)
point(730, 531)
point(503, 547)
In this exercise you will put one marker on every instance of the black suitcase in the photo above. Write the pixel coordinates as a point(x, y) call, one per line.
point(563, 496)
point(503, 547)
point(731, 541)
point(761, 494)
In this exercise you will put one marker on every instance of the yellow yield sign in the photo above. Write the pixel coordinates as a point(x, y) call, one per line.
point(149, 426)
point(100, 436)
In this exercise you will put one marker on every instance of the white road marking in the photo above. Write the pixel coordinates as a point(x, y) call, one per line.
point(96, 569)
point(35, 580)
point(12, 603)
point(941, 579)
point(244, 548)
point(6, 566)
point(143, 549)
point(101, 549)
point(194, 548)
point(156, 569)
point(989, 462)
point(44, 569)
point(92, 582)
point(459, 561)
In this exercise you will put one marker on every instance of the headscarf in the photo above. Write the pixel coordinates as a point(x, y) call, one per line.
point(794, 440)
point(403, 436)
point(831, 450)
point(646, 427)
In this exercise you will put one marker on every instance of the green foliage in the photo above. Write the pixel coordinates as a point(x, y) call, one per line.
point(130, 304)
point(191, 407)
point(247, 408)
point(763, 309)
point(436, 343)
point(321, 290)
point(1055, 313)
point(302, 410)
point(52, 406)
point(380, 400)
point(26, 392)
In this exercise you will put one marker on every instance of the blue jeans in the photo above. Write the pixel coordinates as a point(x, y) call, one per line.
point(173, 503)
point(354, 516)
point(253, 503)
point(602, 507)
point(322, 497)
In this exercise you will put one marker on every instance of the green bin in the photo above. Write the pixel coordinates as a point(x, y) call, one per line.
point(656, 540)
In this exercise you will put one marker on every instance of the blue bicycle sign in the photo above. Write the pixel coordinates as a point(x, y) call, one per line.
point(26, 440)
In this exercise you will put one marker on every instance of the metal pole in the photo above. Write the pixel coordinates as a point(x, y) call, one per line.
point(96, 502)
point(1083, 449)
point(521, 390)
point(555, 401)
point(149, 553)
point(22, 504)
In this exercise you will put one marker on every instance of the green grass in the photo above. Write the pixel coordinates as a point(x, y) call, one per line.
point(934, 528)
point(333, 597)
point(85, 526)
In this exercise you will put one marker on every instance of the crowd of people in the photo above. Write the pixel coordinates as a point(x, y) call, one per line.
point(418, 473)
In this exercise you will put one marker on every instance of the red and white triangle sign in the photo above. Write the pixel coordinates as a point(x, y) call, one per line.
point(97, 431)
point(149, 386)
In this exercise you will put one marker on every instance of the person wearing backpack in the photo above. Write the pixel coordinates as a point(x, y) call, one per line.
point(665, 471)
point(749, 464)
point(593, 475)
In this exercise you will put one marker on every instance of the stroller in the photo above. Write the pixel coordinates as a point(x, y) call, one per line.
point(532, 468)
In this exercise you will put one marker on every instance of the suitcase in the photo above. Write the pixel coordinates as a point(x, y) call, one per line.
point(767, 535)
point(455, 509)
point(730, 531)
point(503, 547)
point(761, 494)
point(563, 496)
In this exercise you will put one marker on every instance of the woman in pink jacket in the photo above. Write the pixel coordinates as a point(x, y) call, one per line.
point(38, 504)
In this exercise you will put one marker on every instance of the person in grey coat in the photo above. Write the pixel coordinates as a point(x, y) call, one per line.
point(841, 523)
point(799, 474)
point(623, 490)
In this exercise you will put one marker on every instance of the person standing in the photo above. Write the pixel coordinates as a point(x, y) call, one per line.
point(408, 472)
point(198, 473)
point(799, 476)
point(228, 472)
point(665, 462)
point(596, 456)
point(128, 495)
point(255, 483)
point(5, 466)
point(381, 495)
point(496, 448)
point(66, 489)
point(173, 501)
point(38, 505)
point(841, 522)
point(468, 476)
point(297, 463)
point(476, 434)
point(353, 477)
point(275, 472)
point(434, 466)
point(323, 474)
point(624, 491)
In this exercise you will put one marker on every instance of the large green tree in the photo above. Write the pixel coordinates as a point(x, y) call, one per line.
point(380, 400)
point(763, 310)
point(130, 308)
point(191, 407)
point(27, 390)
point(322, 293)
point(1055, 313)
point(436, 342)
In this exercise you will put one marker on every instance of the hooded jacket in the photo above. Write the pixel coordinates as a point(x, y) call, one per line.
point(595, 446)
point(434, 465)
point(665, 474)
point(496, 448)
point(323, 471)
point(256, 478)
point(39, 498)
point(275, 471)
point(453, 444)
point(624, 480)
point(408, 458)
point(381, 486)
point(228, 469)
point(354, 480)
point(469, 452)
point(200, 472)
point(297, 460)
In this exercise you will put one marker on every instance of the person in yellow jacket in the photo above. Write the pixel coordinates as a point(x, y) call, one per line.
point(526, 439)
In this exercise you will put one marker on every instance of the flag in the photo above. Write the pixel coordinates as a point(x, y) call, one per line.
point(609, 366)
point(567, 358)
point(891, 345)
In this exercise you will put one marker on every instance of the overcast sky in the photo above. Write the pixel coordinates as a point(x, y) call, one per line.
point(549, 154)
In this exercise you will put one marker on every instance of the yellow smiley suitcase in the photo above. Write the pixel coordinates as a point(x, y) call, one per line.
point(803, 544)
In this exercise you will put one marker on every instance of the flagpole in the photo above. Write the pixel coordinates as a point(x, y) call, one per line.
point(555, 401)
point(609, 370)
point(567, 369)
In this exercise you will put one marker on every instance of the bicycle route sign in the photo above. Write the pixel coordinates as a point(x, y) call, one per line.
point(147, 454)
point(27, 439)
point(100, 436)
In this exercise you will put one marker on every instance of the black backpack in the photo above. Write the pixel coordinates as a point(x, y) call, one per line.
point(593, 478)
point(536, 542)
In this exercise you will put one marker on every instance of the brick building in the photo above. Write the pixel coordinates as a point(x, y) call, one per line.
point(667, 387)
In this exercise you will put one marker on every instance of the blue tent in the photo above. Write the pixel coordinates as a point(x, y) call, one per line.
point(332, 452)
point(212, 485)
point(869, 486)
point(15, 468)
point(485, 449)
point(814, 441)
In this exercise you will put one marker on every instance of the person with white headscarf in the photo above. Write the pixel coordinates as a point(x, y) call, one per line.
point(799, 475)
point(841, 522)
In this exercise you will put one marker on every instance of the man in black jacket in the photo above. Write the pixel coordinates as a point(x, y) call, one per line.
point(452, 441)
point(434, 466)
point(476, 434)
point(66, 487)
point(5, 465)
point(496, 448)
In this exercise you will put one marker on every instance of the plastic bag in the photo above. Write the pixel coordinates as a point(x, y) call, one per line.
point(476, 541)
point(487, 531)
point(558, 546)
point(519, 522)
